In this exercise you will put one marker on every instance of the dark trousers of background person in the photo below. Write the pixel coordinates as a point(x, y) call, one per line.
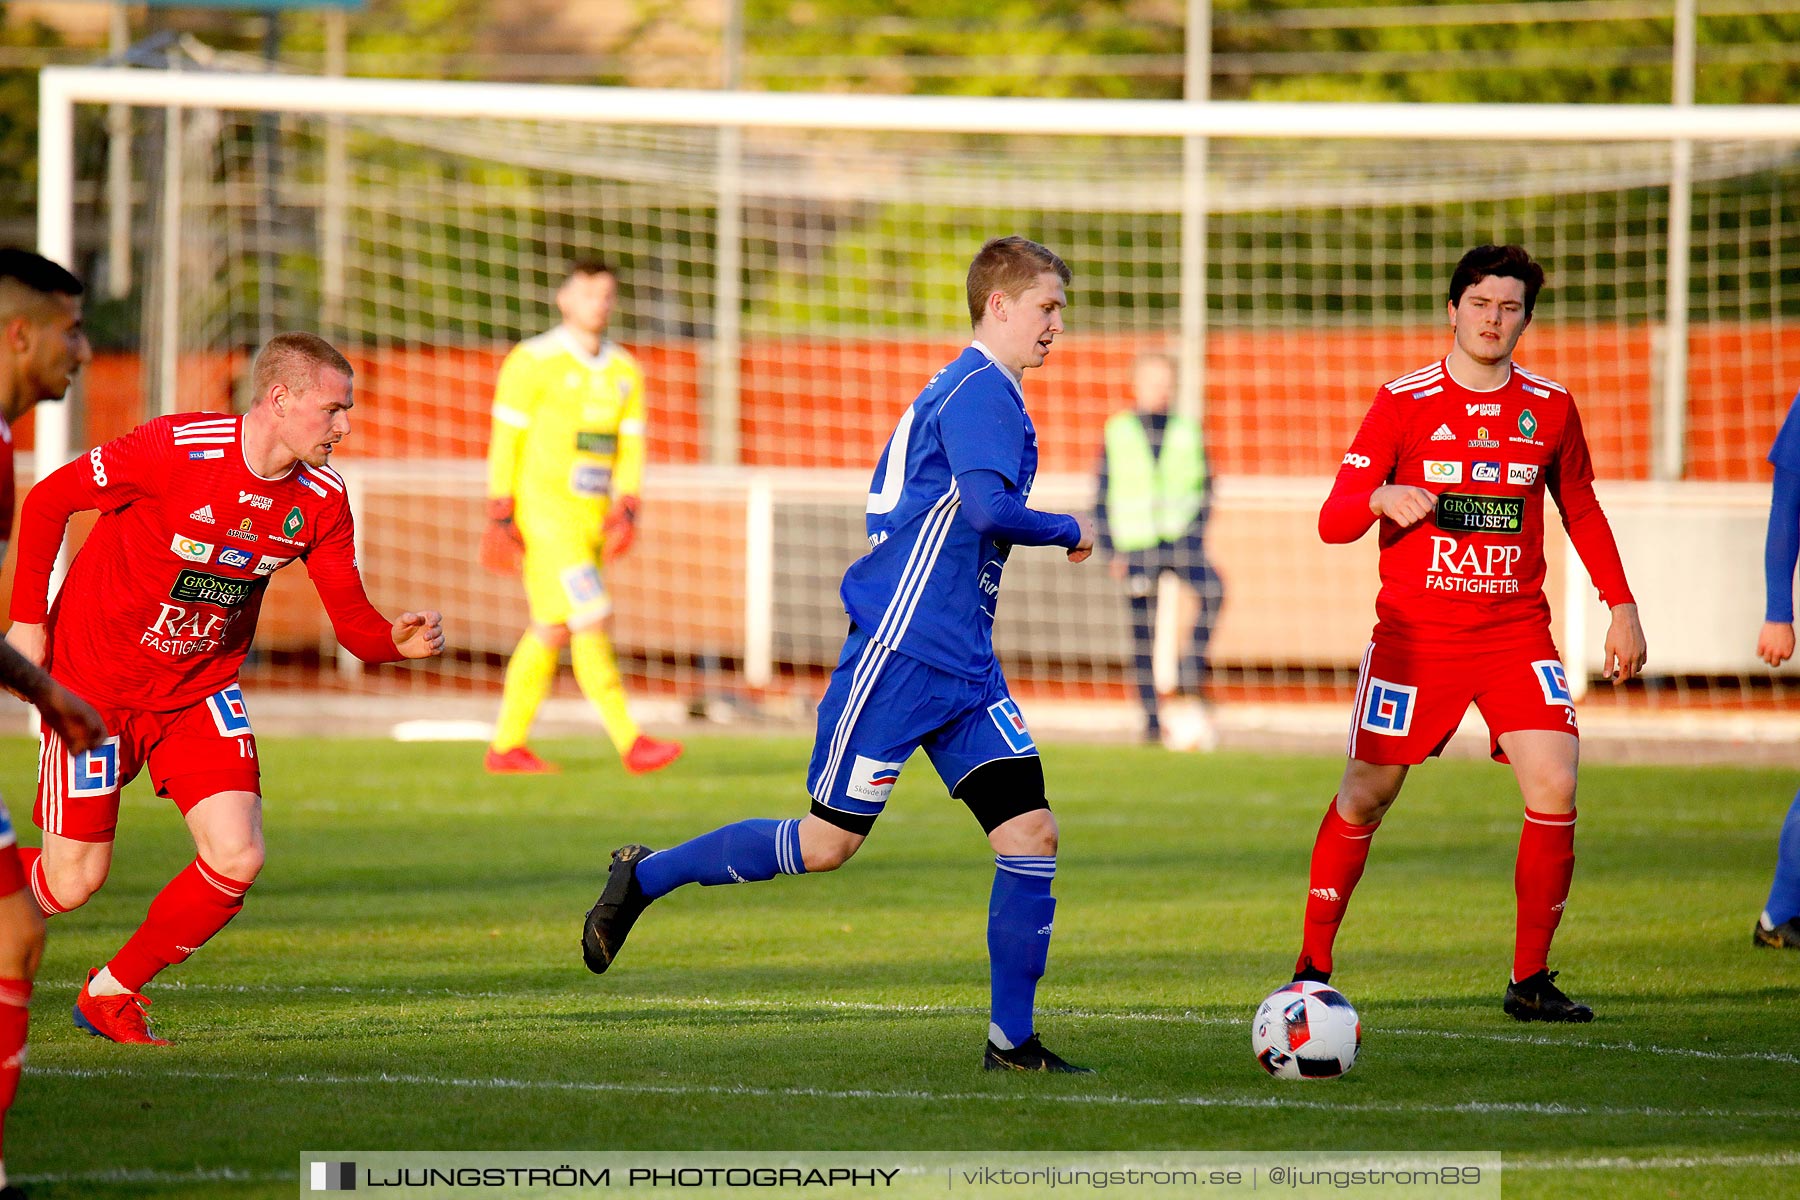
point(1144, 571)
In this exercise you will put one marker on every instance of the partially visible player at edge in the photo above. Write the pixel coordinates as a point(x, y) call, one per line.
point(565, 466)
point(197, 510)
point(946, 507)
point(42, 347)
point(1454, 459)
point(1778, 925)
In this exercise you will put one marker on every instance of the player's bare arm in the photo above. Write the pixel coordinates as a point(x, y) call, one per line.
point(1775, 644)
point(1085, 547)
point(621, 527)
point(29, 640)
point(1625, 649)
point(419, 634)
point(71, 717)
point(1402, 504)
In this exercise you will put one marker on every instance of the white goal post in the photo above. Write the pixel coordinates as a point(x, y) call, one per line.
point(791, 270)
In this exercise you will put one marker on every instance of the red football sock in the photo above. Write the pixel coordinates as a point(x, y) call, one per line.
point(15, 995)
point(1541, 878)
point(1339, 854)
point(193, 906)
point(32, 859)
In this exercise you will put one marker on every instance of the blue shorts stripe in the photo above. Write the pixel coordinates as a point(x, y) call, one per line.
point(868, 670)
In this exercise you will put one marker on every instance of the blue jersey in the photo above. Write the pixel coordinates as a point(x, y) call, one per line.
point(1785, 453)
point(929, 584)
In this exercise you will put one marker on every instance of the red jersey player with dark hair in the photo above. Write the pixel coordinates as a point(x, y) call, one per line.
point(42, 346)
point(196, 510)
point(1454, 460)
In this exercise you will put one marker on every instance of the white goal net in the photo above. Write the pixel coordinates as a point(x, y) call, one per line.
point(788, 287)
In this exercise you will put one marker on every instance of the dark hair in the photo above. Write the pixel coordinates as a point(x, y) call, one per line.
point(295, 359)
point(1511, 262)
point(36, 273)
point(1010, 265)
point(591, 266)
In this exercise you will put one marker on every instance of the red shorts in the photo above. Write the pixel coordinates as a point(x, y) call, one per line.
point(192, 754)
point(12, 871)
point(1410, 698)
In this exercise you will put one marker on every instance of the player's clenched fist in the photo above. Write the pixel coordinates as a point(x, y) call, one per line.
point(1085, 546)
point(419, 634)
point(1402, 504)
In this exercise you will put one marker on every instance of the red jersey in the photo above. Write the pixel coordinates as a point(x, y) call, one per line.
point(1472, 573)
point(160, 606)
point(7, 486)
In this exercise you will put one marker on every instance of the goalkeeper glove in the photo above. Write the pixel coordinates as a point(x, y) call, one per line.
point(621, 527)
point(502, 547)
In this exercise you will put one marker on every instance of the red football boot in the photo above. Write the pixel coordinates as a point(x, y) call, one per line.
point(647, 755)
point(517, 761)
point(124, 1018)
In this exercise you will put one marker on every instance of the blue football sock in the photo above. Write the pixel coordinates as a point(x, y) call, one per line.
point(1020, 912)
point(747, 852)
point(1784, 896)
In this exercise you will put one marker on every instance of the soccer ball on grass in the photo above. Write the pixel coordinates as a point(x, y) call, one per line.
point(1305, 1031)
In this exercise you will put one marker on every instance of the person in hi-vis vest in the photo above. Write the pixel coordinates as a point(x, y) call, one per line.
point(1150, 516)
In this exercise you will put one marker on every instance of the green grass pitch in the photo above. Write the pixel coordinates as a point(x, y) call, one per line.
point(407, 977)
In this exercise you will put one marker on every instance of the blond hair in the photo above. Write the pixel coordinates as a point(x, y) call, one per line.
point(295, 359)
point(1009, 265)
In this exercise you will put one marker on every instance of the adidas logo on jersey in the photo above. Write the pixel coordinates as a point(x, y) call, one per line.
point(1443, 434)
point(203, 513)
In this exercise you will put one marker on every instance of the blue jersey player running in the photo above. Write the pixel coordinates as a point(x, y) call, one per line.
point(1779, 925)
point(946, 507)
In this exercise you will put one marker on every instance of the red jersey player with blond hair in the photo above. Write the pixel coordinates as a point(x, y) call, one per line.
point(196, 510)
point(1454, 460)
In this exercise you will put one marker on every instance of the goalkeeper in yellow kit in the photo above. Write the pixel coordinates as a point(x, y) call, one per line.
point(565, 464)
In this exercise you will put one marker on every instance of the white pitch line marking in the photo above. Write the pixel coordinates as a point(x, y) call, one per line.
point(747, 1091)
point(1080, 1014)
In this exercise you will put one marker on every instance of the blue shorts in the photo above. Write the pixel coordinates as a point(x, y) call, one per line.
point(882, 705)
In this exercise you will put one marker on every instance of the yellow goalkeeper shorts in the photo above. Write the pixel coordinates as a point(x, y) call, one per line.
point(563, 584)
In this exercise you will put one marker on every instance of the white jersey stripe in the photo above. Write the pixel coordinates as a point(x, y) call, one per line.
point(205, 440)
point(939, 533)
point(1539, 379)
point(1414, 384)
point(1413, 377)
point(910, 576)
point(331, 472)
point(314, 473)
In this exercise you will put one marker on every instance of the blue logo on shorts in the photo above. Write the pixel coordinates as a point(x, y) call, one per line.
point(1389, 709)
point(95, 772)
point(1554, 680)
point(229, 715)
point(1011, 725)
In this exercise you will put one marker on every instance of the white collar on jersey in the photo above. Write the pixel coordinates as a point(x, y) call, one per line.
point(568, 339)
point(1465, 387)
point(990, 354)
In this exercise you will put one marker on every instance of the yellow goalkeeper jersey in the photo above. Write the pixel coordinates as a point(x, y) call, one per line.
point(568, 434)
